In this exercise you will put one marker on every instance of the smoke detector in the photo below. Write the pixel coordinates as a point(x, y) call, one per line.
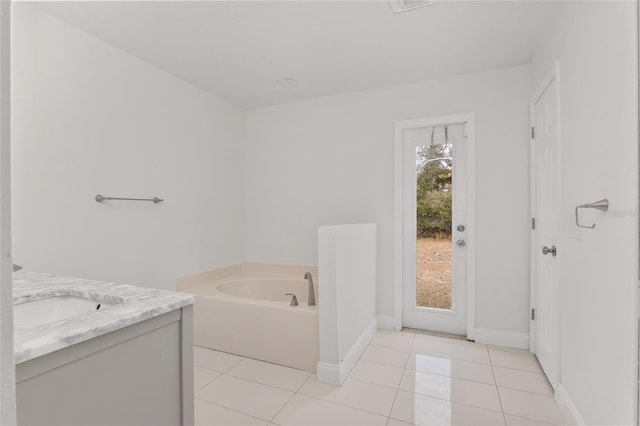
point(399, 6)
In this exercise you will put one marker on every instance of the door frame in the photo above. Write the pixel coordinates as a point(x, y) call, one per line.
point(400, 126)
point(553, 75)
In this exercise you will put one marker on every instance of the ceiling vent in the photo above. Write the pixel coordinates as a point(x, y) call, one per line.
point(399, 6)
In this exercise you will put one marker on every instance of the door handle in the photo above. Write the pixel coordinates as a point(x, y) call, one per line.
point(546, 250)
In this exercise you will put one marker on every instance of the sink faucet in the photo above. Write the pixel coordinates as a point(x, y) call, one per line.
point(311, 300)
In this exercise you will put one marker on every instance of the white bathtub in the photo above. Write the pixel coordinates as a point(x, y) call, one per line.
point(243, 310)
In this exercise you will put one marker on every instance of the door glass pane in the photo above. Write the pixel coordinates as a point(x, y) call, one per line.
point(433, 230)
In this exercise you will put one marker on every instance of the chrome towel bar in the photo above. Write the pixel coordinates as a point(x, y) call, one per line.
point(602, 205)
point(155, 200)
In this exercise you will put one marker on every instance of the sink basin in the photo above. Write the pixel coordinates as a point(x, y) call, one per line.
point(44, 311)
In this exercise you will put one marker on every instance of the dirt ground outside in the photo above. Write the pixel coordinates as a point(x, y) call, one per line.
point(433, 284)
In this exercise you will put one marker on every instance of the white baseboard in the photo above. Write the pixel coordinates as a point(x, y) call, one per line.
point(386, 322)
point(335, 374)
point(509, 339)
point(563, 397)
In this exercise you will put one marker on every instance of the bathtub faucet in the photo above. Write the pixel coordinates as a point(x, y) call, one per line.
point(311, 300)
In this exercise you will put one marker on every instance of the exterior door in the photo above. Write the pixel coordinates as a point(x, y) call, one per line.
point(545, 180)
point(434, 221)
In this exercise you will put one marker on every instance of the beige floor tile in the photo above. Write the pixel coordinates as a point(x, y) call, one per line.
point(532, 406)
point(520, 421)
point(202, 377)
point(207, 414)
point(473, 353)
point(424, 410)
point(391, 339)
point(214, 360)
point(447, 340)
point(459, 369)
point(396, 422)
point(269, 374)
point(305, 411)
point(374, 372)
point(514, 358)
point(365, 396)
point(522, 380)
point(456, 390)
point(253, 399)
point(384, 355)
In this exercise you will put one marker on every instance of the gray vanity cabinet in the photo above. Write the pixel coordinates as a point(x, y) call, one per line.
point(138, 375)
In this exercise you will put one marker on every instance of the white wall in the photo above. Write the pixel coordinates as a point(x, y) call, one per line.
point(347, 297)
point(594, 42)
point(89, 118)
point(330, 160)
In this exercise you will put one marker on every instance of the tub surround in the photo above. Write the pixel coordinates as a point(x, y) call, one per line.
point(131, 305)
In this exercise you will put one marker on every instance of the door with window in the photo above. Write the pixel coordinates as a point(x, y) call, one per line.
point(434, 222)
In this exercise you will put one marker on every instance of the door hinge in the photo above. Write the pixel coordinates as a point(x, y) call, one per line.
point(533, 132)
point(533, 314)
point(533, 223)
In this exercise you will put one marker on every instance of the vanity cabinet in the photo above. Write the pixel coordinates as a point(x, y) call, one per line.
point(141, 374)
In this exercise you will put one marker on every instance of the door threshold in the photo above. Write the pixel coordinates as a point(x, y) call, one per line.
point(437, 334)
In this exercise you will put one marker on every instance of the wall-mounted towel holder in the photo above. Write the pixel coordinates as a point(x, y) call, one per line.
point(155, 200)
point(602, 205)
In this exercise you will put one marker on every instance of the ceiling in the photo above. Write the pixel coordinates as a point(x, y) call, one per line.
point(238, 50)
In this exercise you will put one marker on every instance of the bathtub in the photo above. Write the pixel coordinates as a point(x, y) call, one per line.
point(243, 310)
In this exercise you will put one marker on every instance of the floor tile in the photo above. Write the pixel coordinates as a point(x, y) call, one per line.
point(269, 374)
point(253, 399)
point(473, 353)
point(514, 358)
point(305, 411)
point(459, 369)
point(365, 396)
point(374, 372)
point(532, 406)
point(456, 390)
point(520, 421)
point(522, 380)
point(446, 339)
point(396, 422)
point(391, 339)
point(207, 414)
point(424, 410)
point(383, 355)
point(214, 360)
point(202, 377)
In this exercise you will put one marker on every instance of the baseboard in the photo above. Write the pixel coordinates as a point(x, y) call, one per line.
point(386, 322)
point(563, 397)
point(328, 373)
point(336, 374)
point(509, 339)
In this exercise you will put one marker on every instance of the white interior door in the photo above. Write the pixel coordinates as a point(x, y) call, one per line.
point(545, 205)
point(434, 270)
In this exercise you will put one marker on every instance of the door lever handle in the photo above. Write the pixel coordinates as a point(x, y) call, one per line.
point(546, 250)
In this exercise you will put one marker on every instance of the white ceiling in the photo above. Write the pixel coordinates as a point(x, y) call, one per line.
point(238, 50)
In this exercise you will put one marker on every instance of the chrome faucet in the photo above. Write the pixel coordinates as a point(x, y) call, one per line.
point(311, 300)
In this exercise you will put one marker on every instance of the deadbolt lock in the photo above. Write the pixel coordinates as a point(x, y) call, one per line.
point(461, 228)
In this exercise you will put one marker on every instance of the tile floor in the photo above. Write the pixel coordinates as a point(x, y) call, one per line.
point(401, 379)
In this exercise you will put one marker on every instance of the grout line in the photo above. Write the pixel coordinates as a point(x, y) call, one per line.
point(504, 417)
point(258, 383)
point(282, 408)
point(206, 384)
point(231, 409)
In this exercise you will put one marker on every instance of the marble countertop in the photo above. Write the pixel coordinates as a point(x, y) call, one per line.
point(131, 304)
